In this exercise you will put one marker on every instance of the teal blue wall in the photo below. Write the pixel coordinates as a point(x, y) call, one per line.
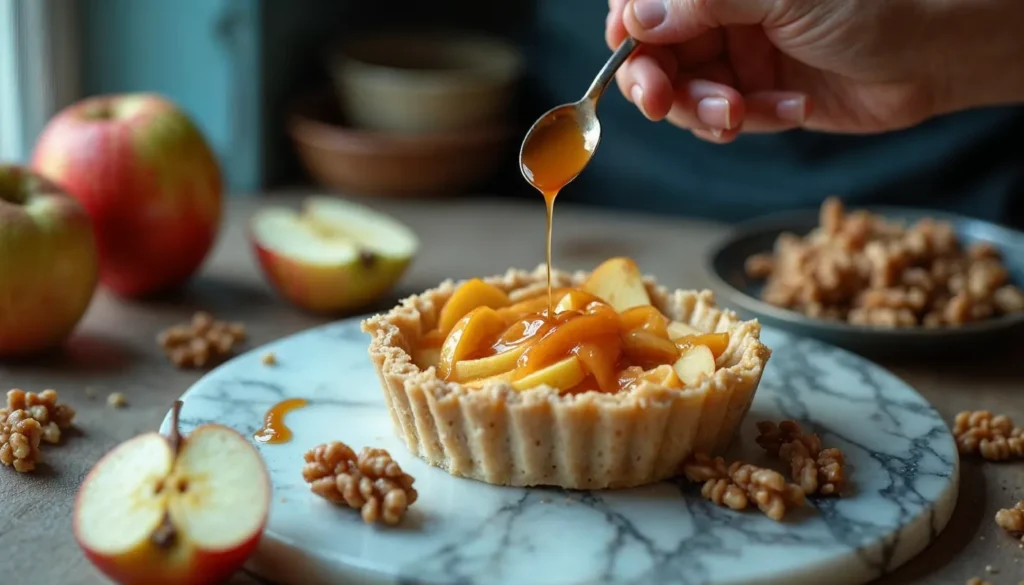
point(203, 54)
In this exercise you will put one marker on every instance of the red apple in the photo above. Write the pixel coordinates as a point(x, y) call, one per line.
point(333, 256)
point(174, 510)
point(48, 263)
point(148, 179)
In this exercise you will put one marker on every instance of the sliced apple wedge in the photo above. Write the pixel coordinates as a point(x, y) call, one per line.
point(677, 329)
point(575, 300)
point(471, 294)
point(486, 367)
point(174, 510)
point(716, 342)
point(694, 363)
point(478, 328)
point(426, 357)
point(618, 282)
point(334, 256)
point(645, 347)
point(562, 375)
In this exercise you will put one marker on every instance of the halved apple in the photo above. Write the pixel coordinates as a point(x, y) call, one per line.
point(694, 363)
point(333, 256)
point(471, 294)
point(562, 375)
point(174, 510)
point(618, 282)
point(480, 327)
point(486, 367)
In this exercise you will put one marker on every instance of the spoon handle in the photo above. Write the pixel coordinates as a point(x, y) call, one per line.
point(605, 75)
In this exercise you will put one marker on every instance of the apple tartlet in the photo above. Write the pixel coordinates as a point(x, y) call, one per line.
point(612, 382)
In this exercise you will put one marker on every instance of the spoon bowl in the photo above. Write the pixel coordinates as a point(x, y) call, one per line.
point(561, 142)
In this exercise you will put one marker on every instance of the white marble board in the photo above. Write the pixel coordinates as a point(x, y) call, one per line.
point(901, 458)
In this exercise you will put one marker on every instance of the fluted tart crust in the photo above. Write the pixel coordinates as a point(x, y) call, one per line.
point(592, 440)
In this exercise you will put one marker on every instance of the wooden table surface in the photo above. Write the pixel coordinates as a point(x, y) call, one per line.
point(113, 350)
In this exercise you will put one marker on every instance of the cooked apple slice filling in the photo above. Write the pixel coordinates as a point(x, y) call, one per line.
point(604, 336)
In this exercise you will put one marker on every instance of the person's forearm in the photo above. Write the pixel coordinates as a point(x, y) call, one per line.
point(980, 44)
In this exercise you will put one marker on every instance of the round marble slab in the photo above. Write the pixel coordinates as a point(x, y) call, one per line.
point(901, 458)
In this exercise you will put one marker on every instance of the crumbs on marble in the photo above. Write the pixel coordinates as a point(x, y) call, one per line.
point(269, 359)
point(816, 470)
point(977, 581)
point(117, 400)
point(28, 420)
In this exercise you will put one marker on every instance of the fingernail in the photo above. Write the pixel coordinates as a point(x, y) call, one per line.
point(649, 13)
point(714, 112)
point(792, 110)
point(637, 94)
point(716, 132)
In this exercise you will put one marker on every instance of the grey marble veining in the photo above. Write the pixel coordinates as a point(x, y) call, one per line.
point(901, 458)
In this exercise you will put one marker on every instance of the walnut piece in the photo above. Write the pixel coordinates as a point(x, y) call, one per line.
point(817, 470)
point(370, 482)
point(993, 437)
point(20, 436)
point(202, 342)
point(117, 400)
point(977, 581)
point(738, 484)
point(866, 270)
point(1012, 520)
point(52, 416)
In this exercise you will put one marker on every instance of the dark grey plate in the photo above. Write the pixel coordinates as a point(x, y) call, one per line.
point(724, 266)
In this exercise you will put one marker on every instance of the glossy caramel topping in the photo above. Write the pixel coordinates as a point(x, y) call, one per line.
point(274, 430)
point(555, 154)
point(577, 344)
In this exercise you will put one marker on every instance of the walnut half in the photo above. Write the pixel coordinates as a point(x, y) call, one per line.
point(995, 438)
point(370, 482)
point(20, 435)
point(817, 470)
point(52, 416)
point(738, 484)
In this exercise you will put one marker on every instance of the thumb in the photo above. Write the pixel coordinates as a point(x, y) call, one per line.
point(677, 21)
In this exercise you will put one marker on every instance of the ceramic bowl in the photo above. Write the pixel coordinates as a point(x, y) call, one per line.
point(725, 271)
point(385, 164)
point(425, 83)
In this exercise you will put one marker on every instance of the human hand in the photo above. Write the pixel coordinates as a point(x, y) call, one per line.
point(721, 67)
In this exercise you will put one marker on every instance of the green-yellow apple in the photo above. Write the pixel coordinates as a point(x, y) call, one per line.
point(148, 179)
point(174, 510)
point(334, 255)
point(48, 263)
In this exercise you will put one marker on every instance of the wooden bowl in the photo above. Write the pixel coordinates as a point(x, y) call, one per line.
point(387, 164)
point(413, 83)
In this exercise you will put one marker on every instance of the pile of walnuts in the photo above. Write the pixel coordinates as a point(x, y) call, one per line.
point(859, 268)
point(818, 471)
point(28, 420)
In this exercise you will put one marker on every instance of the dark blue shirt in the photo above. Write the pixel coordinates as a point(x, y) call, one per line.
point(970, 162)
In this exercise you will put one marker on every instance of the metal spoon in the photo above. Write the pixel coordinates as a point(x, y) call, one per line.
point(584, 111)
